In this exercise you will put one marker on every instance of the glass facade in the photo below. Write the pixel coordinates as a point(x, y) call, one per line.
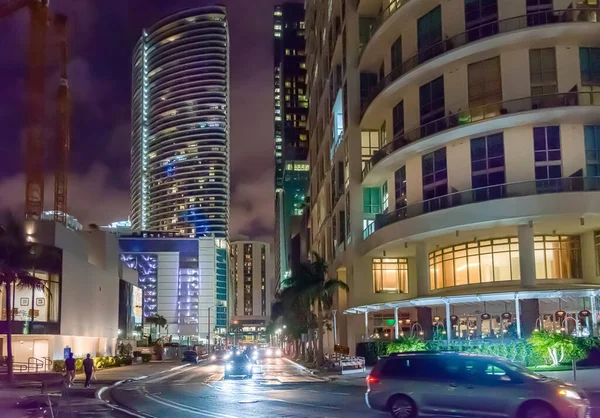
point(390, 275)
point(487, 166)
point(400, 187)
point(479, 18)
point(435, 178)
point(429, 29)
point(542, 71)
point(248, 306)
point(589, 61)
point(497, 260)
point(547, 153)
point(398, 118)
point(558, 257)
point(592, 150)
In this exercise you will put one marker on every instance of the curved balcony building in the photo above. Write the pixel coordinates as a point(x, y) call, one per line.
point(180, 125)
point(455, 148)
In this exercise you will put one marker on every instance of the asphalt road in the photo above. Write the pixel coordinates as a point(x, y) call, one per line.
point(282, 390)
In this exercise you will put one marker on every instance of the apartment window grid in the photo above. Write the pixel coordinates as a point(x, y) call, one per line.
point(485, 87)
point(487, 167)
point(390, 275)
point(263, 281)
point(429, 29)
point(480, 16)
point(385, 197)
point(396, 53)
point(369, 145)
point(592, 150)
point(547, 153)
point(372, 200)
point(589, 61)
point(597, 251)
point(432, 107)
point(248, 303)
point(542, 71)
point(557, 257)
point(398, 118)
point(476, 262)
point(435, 180)
point(535, 8)
point(400, 187)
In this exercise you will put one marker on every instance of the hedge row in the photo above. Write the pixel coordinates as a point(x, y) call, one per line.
point(530, 352)
point(100, 363)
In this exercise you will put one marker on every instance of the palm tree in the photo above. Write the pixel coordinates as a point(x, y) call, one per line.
point(158, 321)
point(15, 255)
point(312, 283)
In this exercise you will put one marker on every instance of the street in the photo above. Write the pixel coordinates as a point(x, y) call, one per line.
point(283, 390)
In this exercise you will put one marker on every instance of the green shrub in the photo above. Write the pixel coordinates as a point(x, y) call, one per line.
point(146, 358)
point(372, 350)
point(405, 344)
point(58, 365)
point(556, 348)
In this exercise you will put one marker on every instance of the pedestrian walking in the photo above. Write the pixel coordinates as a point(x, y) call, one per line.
point(88, 369)
point(70, 366)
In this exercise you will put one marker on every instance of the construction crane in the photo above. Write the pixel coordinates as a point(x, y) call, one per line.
point(35, 108)
point(63, 125)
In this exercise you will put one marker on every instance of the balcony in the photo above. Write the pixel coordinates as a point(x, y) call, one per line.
point(486, 194)
point(532, 20)
point(480, 114)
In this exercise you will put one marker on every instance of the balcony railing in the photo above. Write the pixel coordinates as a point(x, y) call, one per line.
point(484, 194)
point(502, 26)
point(481, 113)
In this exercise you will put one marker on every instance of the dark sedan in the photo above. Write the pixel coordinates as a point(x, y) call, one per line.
point(190, 356)
point(239, 365)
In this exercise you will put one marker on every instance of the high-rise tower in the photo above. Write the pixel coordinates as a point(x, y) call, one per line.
point(180, 125)
point(291, 136)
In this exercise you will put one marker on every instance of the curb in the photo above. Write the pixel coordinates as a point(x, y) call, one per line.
point(100, 391)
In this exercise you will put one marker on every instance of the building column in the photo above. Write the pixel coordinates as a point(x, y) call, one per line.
point(526, 255)
point(422, 269)
point(396, 326)
point(448, 323)
point(594, 312)
point(425, 319)
point(366, 325)
point(530, 312)
point(518, 316)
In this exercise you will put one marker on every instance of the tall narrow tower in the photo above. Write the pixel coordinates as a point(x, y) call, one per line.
point(291, 135)
point(180, 125)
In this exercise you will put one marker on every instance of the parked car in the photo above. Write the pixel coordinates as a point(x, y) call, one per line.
point(238, 365)
point(190, 356)
point(465, 385)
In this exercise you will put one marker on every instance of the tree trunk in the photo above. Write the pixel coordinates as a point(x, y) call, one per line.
point(9, 353)
point(320, 357)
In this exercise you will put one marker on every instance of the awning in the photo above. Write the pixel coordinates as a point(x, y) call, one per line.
point(483, 297)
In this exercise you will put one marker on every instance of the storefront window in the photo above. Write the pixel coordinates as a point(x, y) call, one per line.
point(557, 257)
point(476, 262)
point(390, 275)
point(35, 304)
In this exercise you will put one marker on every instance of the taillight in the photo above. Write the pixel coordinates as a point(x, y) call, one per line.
point(372, 379)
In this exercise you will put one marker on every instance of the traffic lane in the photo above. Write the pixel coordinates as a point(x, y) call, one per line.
point(199, 391)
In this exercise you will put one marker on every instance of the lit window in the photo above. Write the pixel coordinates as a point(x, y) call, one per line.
point(557, 257)
point(390, 275)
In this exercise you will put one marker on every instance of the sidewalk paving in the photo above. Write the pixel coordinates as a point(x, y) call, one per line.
point(11, 397)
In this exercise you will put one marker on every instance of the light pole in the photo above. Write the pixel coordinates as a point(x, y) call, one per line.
point(208, 336)
point(334, 311)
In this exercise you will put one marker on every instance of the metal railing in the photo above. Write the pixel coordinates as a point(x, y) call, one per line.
point(489, 29)
point(481, 113)
point(484, 194)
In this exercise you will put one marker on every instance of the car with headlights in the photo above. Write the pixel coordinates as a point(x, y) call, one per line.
point(273, 352)
point(238, 365)
point(190, 356)
point(408, 385)
point(220, 355)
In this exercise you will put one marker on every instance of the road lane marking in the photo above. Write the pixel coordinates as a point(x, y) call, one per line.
point(188, 408)
point(304, 404)
point(329, 393)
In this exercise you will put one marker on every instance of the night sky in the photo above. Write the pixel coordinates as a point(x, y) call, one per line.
point(102, 34)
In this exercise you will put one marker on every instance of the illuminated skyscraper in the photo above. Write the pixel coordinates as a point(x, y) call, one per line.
point(180, 125)
point(291, 136)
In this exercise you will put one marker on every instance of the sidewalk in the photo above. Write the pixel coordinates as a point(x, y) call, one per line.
point(15, 401)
